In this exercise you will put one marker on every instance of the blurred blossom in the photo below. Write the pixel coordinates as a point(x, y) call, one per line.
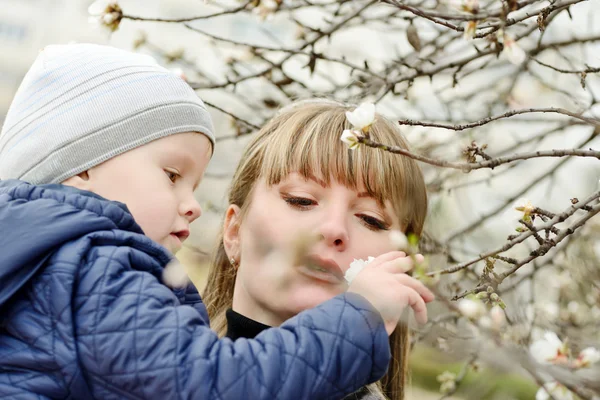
point(550, 310)
point(549, 350)
point(175, 275)
point(266, 9)
point(448, 382)
point(562, 280)
point(587, 357)
point(573, 307)
point(470, 29)
point(513, 52)
point(398, 239)
point(471, 6)
point(180, 73)
point(558, 392)
point(472, 309)
point(497, 316)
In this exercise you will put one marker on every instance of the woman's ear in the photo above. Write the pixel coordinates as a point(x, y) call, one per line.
point(231, 232)
point(79, 181)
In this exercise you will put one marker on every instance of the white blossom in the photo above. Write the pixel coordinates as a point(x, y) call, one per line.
point(350, 138)
point(355, 267)
point(471, 6)
point(471, 308)
point(558, 392)
point(549, 350)
point(550, 310)
point(362, 117)
point(587, 357)
point(398, 239)
point(513, 52)
point(106, 14)
point(175, 275)
point(99, 6)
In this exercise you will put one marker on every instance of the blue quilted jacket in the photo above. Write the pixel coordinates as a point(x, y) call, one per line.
point(83, 314)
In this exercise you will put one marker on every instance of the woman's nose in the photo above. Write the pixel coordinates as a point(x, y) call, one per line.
point(334, 230)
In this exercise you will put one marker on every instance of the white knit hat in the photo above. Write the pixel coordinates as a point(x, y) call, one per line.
point(82, 104)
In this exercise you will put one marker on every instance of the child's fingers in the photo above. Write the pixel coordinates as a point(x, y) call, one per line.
point(415, 301)
point(417, 286)
point(387, 257)
point(398, 265)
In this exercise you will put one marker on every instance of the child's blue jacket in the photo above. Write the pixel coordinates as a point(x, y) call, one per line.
point(83, 314)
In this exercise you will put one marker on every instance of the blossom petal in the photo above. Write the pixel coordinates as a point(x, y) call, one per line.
point(362, 117)
point(350, 138)
point(355, 267)
point(98, 7)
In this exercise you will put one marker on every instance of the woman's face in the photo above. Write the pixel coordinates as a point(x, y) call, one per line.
point(271, 284)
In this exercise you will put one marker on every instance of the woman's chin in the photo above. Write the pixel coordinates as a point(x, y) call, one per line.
point(310, 297)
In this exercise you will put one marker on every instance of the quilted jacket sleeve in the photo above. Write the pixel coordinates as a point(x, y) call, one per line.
point(135, 340)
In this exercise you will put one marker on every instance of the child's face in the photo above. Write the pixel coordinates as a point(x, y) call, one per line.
point(157, 182)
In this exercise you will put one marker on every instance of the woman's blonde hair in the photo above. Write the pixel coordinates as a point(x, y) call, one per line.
point(305, 138)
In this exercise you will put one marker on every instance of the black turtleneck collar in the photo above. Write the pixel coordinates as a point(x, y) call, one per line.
point(239, 326)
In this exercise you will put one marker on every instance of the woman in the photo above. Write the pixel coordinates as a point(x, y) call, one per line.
point(300, 192)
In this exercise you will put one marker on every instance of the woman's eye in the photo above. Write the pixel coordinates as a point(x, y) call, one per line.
point(172, 175)
point(373, 223)
point(299, 202)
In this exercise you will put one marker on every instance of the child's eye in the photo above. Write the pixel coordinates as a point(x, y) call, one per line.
point(173, 176)
point(373, 223)
point(299, 202)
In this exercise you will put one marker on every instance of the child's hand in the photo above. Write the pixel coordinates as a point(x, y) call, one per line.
point(385, 284)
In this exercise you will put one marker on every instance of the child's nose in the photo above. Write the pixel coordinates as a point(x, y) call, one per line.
point(191, 209)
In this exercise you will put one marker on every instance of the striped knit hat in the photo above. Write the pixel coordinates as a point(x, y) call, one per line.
point(82, 104)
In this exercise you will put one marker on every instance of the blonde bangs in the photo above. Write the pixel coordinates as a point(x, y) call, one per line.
point(308, 142)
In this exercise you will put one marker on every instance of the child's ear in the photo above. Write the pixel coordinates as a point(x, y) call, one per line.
point(231, 232)
point(80, 181)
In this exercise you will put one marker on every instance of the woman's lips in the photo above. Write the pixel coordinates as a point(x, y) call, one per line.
point(323, 269)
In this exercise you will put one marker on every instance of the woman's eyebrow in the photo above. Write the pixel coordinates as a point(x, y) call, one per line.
point(317, 180)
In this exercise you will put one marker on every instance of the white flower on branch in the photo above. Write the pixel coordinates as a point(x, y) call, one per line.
point(355, 267)
point(350, 138)
point(587, 357)
point(558, 392)
point(471, 308)
point(512, 51)
point(105, 13)
point(362, 117)
point(549, 350)
point(470, 30)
